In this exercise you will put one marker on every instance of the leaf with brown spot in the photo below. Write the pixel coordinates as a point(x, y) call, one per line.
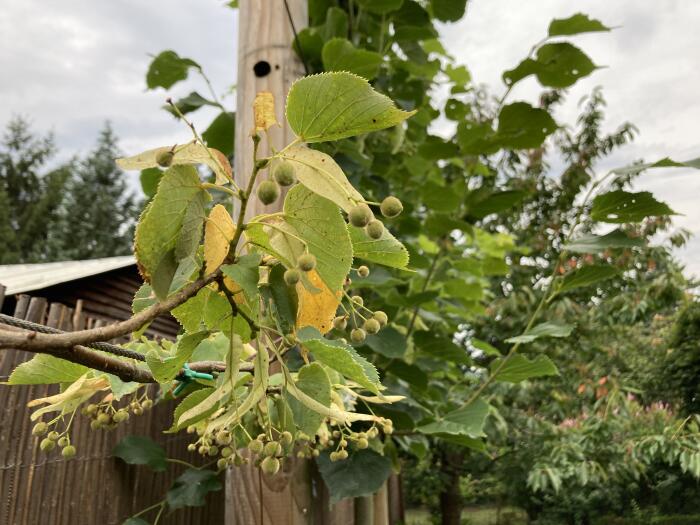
point(316, 309)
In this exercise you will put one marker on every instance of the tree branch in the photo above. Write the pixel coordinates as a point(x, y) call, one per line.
point(37, 342)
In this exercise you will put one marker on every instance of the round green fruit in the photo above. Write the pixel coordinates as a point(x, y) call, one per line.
point(363, 271)
point(268, 191)
point(391, 207)
point(68, 451)
point(165, 158)
point(306, 262)
point(372, 326)
point(292, 276)
point(340, 323)
point(360, 215)
point(272, 448)
point(362, 443)
point(270, 465)
point(375, 229)
point(358, 335)
point(40, 429)
point(47, 445)
point(256, 446)
point(381, 317)
point(284, 174)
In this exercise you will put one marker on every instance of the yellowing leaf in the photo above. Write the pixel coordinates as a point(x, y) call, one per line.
point(322, 175)
point(316, 309)
point(81, 390)
point(235, 289)
point(264, 111)
point(218, 234)
point(191, 153)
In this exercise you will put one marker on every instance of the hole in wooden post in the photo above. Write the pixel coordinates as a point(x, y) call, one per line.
point(262, 68)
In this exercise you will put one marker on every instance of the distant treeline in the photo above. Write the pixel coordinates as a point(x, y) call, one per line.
point(81, 209)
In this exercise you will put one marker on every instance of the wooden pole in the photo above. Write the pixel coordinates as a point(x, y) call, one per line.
point(266, 62)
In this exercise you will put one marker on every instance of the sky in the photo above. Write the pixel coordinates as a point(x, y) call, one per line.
point(69, 66)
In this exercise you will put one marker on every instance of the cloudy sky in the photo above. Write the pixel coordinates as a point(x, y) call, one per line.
point(71, 65)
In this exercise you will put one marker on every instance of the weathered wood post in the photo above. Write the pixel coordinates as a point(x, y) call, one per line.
point(266, 62)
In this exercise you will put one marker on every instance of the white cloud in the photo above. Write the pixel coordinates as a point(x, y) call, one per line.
point(73, 64)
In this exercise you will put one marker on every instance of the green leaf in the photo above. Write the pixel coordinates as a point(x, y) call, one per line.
point(600, 243)
point(519, 368)
point(340, 55)
point(168, 68)
point(440, 347)
point(213, 348)
point(621, 206)
point(165, 369)
point(522, 126)
point(220, 134)
point(121, 388)
point(141, 450)
point(587, 275)
point(150, 178)
point(337, 24)
point(547, 329)
point(190, 103)
point(389, 342)
point(318, 222)
point(412, 374)
point(313, 380)
point(574, 25)
point(441, 198)
point(341, 357)
point(45, 369)
point(283, 300)
point(465, 421)
point(246, 273)
point(495, 203)
point(361, 474)
point(485, 347)
point(161, 224)
point(386, 250)
point(662, 163)
point(320, 174)
point(557, 65)
point(191, 488)
point(206, 310)
point(332, 106)
point(464, 290)
point(448, 10)
point(380, 7)
point(476, 138)
point(412, 23)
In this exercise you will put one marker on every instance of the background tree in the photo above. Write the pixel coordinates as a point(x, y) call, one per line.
point(98, 213)
point(81, 209)
point(30, 193)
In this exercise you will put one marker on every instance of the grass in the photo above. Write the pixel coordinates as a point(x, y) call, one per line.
point(474, 516)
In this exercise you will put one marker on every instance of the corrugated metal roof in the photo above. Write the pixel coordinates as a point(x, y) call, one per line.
point(19, 278)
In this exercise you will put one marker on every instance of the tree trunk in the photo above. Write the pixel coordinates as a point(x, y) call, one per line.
point(451, 497)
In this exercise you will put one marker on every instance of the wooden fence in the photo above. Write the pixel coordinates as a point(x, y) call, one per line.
point(95, 488)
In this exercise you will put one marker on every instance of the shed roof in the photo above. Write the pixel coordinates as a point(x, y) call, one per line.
point(20, 278)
